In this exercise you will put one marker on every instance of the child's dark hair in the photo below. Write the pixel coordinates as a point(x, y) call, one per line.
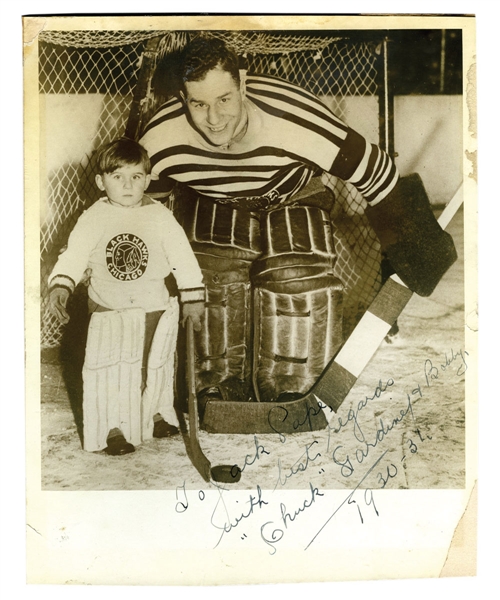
point(204, 54)
point(121, 152)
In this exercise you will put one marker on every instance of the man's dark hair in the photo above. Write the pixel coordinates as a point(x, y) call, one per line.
point(204, 54)
point(120, 152)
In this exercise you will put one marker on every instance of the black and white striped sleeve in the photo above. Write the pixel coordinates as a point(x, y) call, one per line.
point(366, 166)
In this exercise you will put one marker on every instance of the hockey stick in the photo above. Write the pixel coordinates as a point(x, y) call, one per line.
point(219, 473)
point(342, 373)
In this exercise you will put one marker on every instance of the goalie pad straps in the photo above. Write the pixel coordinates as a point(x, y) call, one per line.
point(296, 336)
point(417, 248)
point(158, 396)
point(298, 303)
point(112, 377)
point(223, 344)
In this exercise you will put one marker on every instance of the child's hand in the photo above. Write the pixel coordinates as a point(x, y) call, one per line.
point(58, 298)
point(195, 310)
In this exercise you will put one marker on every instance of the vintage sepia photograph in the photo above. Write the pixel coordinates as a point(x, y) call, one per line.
point(257, 292)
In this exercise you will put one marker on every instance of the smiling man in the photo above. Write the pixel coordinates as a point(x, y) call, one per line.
point(252, 150)
point(216, 107)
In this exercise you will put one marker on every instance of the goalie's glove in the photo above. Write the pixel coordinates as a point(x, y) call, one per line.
point(58, 298)
point(195, 310)
point(410, 236)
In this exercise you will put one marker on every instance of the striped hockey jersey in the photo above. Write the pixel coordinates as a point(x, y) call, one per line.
point(291, 136)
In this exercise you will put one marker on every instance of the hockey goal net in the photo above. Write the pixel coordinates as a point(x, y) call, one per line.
point(99, 85)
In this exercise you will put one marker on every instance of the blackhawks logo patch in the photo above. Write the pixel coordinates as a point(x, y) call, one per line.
point(126, 257)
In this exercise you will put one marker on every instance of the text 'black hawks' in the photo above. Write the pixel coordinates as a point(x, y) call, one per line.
point(126, 257)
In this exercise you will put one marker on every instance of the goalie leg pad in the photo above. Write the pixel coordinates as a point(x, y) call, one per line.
point(222, 346)
point(297, 245)
point(112, 377)
point(158, 396)
point(416, 246)
point(298, 302)
point(220, 229)
point(296, 336)
point(225, 240)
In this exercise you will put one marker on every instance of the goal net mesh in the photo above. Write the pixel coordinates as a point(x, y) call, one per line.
point(107, 65)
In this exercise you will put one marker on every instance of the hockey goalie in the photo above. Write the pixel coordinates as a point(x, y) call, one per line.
point(248, 152)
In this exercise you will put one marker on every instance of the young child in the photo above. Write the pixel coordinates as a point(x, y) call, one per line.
point(130, 243)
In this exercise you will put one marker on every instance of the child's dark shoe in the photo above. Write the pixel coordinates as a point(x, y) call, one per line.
point(118, 446)
point(163, 429)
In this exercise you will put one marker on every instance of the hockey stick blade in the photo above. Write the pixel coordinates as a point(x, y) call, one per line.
point(218, 473)
point(342, 373)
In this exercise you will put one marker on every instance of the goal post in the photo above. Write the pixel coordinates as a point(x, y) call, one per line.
point(99, 85)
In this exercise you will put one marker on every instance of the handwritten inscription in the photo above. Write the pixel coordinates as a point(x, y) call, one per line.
point(351, 446)
point(250, 458)
point(288, 517)
point(352, 414)
point(272, 534)
point(383, 429)
point(299, 466)
point(222, 519)
point(455, 359)
point(368, 499)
